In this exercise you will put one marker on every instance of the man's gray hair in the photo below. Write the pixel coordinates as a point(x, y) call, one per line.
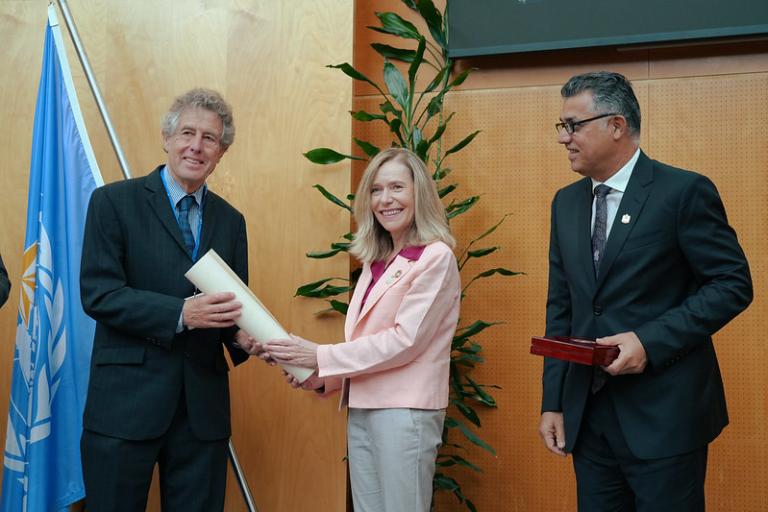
point(201, 98)
point(611, 92)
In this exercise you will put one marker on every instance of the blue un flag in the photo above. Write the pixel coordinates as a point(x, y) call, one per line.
point(42, 470)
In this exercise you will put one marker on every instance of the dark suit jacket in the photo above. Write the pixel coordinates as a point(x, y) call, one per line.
point(5, 283)
point(132, 283)
point(674, 274)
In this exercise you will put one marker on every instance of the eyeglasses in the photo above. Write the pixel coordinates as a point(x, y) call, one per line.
point(570, 126)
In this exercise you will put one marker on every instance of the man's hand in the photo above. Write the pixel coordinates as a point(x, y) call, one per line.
point(552, 431)
point(253, 347)
point(214, 310)
point(632, 358)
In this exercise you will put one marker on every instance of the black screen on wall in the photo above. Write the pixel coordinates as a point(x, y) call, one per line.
point(488, 27)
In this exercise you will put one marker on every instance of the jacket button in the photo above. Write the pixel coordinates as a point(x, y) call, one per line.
point(597, 310)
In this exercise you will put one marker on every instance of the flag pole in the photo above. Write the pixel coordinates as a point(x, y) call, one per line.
point(241, 480)
point(94, 87)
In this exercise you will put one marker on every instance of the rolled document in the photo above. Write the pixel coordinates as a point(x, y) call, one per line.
point(211, 274)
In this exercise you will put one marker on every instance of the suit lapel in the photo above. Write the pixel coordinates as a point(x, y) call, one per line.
point(629, 210)
point(158, 201)
point(583, 229)
point(353, 313)
point(211, 212)
point(394, 273)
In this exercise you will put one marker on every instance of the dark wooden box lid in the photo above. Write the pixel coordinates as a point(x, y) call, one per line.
point(576, 350)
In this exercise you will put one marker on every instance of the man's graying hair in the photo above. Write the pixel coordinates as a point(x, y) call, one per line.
point(611, 92)
point(201, 98)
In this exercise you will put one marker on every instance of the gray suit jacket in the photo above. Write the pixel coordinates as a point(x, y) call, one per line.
point(674, 273)
point(132, 283)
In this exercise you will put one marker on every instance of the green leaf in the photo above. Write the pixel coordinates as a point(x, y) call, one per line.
point(460, 207)
point(454, 460)
point(411, 4)
point(479, 253)
point(441, 173)
point(301, 290)
point(319, 255)
point(396, 84)
point(441, 129)
point(348, 236)
point(474, 329)
point(327, 156)
point(435, 105)
point(390, 52)
point(367, 147)
point(445, 482)
point(439, 77)
point(388, 108)
point(501, 271)
point(362, 115)
point(490, 230)
point(332, 198)
point(486, 398)
point(395, 126)
point(339, 306)
point(351, 72)
point(471, 436)
point(434, 22)
point(466, 140)
point(417, 60)
point(460, 78)
point(446, 190)
point(467, 411)
point(327, 291)
point(393, 24)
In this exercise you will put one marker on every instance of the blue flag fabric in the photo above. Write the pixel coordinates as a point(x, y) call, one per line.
point(42, 470)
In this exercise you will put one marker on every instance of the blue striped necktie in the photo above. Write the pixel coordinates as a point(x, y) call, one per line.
point(183, 206)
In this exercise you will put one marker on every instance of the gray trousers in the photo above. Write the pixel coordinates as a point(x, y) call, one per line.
point(392, 456)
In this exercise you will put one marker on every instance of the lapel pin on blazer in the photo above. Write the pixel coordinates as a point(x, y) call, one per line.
point(625, 218)
point(394, 277)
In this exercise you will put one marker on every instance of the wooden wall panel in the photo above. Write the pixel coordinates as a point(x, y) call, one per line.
point(267, 58)
point(704, 108)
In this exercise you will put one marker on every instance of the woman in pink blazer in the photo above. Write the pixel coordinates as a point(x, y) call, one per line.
point(393, 369)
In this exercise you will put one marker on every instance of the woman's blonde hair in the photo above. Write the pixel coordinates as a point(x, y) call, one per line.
point(372, 242)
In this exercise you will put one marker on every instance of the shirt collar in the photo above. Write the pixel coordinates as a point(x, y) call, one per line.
point(176, 192)
point(620, 180)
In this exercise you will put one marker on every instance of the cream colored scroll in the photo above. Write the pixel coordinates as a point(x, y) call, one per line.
point(211, 274)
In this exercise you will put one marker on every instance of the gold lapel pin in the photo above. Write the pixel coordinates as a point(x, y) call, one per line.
point(625, 218)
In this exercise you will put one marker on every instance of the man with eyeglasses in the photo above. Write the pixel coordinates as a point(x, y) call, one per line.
point(641, 258)
point(158, 390)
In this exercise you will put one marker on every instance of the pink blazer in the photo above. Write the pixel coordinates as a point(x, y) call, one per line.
point(398, 345)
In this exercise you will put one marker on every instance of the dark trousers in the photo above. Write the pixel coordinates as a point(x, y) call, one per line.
point(610, 478)
point(118, 472)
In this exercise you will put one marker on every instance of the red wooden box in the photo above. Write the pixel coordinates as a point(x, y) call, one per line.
point(574, 349)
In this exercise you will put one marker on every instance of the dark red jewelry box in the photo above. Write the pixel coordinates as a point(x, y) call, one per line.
point(574, 349)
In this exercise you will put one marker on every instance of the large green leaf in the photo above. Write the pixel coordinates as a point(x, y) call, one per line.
point(446, 190)
point(390, 52)
point(441, 128)
point(471, 436)
point(332, 198)
point(466, 140)
point(396, 84)
point(489, 230)
point(434, 22)
point(479, 253)
point(362, 115)
point(339, 306)
point(326, 291)
point(393, 24)
point(460, 207)
point(325, 156)
point(467, 411)
point(396, 127)
point(319, 255)
point(417, 60)
point(475, 328)
point(367, 147)
point(301, 290)
point(454, 460)
point(460, 78)
point(486, 398)
point(353, 73)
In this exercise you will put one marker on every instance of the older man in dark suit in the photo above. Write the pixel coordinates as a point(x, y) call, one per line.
point(642, 258)
point(158, 390)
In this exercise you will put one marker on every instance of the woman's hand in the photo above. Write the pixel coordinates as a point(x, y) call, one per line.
point(253, 347)
point(313, 382)
point(294, 351)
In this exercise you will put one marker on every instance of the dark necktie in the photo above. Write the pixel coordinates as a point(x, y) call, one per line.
point(184, 205)
point(600, 231)
point(599, 235)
